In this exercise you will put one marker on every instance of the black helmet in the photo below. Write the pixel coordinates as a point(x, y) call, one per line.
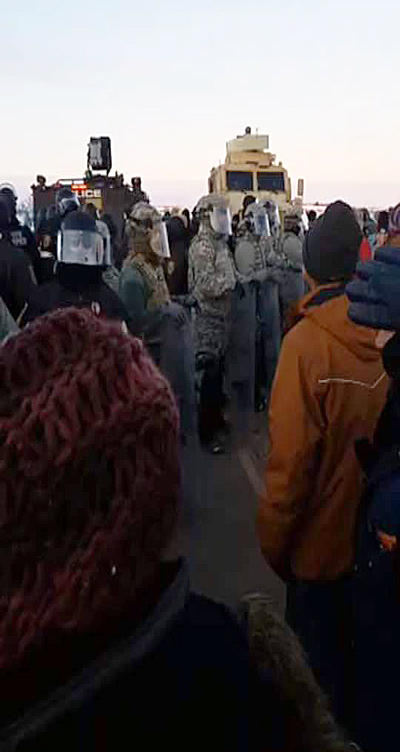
point(80, 241)
point(67, 201)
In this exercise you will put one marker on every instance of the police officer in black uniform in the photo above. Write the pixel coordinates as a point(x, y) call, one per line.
point(20, 235)
point(17, 281)
point(82, 256)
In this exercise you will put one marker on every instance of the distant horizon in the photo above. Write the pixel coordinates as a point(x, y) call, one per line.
point(186, 193)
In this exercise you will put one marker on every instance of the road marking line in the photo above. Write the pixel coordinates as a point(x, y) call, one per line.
point(254, 478)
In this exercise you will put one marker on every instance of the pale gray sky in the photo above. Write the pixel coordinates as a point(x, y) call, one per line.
point(172, 82)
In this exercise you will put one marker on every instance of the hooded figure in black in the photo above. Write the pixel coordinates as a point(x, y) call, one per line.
point(176, 271)
point(78, 280)
point(17, 281)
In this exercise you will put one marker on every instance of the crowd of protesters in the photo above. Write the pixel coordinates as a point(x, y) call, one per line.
point(110, 361)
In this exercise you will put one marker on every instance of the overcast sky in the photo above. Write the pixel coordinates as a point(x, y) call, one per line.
point(171, 82)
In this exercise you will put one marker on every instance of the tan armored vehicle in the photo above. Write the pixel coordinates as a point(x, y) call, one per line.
point(250, 169)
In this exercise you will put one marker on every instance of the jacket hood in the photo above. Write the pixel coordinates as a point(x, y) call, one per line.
point(327, 307)
point(122, 656)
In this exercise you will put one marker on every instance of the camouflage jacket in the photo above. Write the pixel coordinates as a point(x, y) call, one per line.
point(211, 274)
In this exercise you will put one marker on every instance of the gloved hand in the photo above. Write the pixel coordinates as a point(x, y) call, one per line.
point(375, 292)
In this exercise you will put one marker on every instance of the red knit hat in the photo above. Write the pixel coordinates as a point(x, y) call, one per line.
point(89, 475)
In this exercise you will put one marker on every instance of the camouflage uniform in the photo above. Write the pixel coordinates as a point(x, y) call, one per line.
point(291, 286)
point(142, 285)
point(268, 270)
point(211, 282)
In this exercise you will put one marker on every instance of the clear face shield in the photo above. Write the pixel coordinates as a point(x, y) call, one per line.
point(305, 222)
point(259, 221)
point(220, 220)
point(159, 243)
point(274, 218)
point(82, 247)
point(105, 234)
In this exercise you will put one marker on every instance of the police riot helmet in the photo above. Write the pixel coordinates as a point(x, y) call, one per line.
point(258, 221)
point(292, 223)
point(105, 234)
point(67, 201)
point(149, 229)
point(81, 242)
point(214, 207)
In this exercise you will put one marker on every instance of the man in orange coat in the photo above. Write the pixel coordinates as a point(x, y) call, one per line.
point(329, 390)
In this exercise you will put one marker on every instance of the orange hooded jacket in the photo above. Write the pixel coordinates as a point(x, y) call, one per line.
point(329, 390)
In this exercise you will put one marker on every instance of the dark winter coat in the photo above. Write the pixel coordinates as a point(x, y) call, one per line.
point(17, 284)
point(22, 238)
point(181, 680)
point(177, 267)
point(376, 589)
point(75, 285)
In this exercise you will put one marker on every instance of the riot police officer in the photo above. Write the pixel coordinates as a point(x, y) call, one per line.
point(82, 256)
point(211, 281)
point(256, 257)
point(20, 235)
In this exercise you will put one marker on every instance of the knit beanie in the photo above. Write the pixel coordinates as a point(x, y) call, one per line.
point(89, 476)
point(331, 247)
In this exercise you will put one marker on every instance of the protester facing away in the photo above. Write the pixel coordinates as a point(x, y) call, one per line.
point(96, 631)
point(176, 267)
point(382, 228)
point(329, 389)
point(82, 257)
point(17, 280)
point(375, 302)
point(312, 217)
point(20, 235)
point(211, 283)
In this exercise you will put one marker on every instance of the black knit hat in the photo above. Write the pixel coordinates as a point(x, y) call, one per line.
point(331, 249)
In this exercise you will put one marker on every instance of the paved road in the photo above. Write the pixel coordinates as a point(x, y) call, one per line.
point(221, 539)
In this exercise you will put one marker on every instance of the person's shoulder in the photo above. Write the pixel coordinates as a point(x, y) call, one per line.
point(212, 625)
point(113, 300)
